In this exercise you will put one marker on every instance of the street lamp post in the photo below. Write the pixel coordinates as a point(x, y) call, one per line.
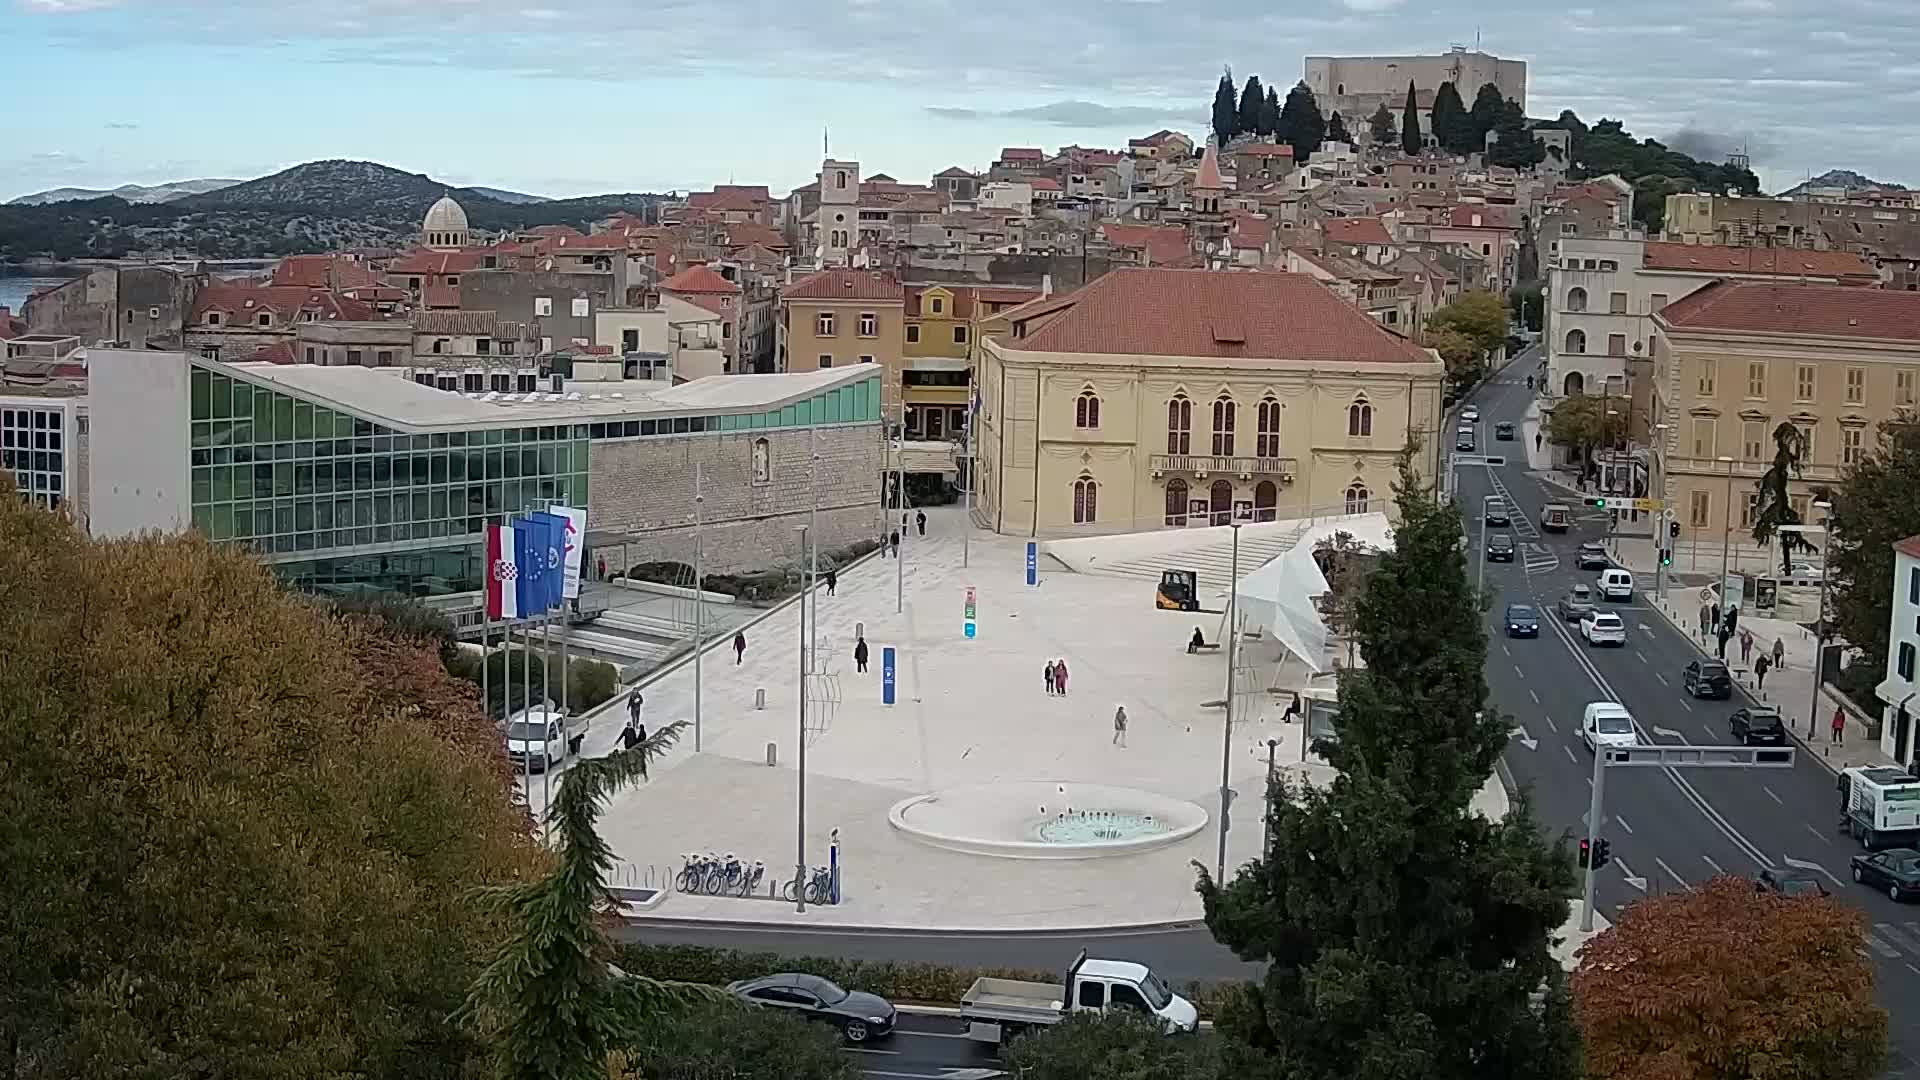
point(1820, 624)
point(1726, 535)
point(699, 598)
point(800, 755)
point(1226, 732)
point(1266, 834)
point(1662, 531)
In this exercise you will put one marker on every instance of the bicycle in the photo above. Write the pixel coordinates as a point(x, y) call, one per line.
point(818, 888)
point(724, 875)
point(692, 871)
point(750, 879)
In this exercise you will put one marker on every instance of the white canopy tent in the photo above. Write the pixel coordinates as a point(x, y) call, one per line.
point(1278, 598)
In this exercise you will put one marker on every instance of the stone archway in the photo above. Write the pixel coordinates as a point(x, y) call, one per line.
point(1576, 383)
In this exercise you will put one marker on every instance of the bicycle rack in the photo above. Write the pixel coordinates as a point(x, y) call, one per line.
point(773, 887)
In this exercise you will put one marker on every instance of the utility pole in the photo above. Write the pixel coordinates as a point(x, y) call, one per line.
point(800, 811)
point(699, 598)
point(900, 487)
point(1226, 729)
point(966, 527)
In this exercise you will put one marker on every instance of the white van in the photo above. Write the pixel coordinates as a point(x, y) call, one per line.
point(1607, 723)
point(1616, 584)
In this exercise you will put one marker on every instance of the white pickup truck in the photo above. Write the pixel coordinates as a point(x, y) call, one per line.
point(542, 735)
point(995, 1010)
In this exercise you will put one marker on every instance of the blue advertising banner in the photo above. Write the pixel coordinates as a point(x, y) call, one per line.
point(1033, 563)
point(886, 675)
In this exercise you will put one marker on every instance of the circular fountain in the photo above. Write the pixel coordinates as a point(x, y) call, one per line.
point(1046, 819)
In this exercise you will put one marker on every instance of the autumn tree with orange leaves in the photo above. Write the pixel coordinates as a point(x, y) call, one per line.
point(1725, 981)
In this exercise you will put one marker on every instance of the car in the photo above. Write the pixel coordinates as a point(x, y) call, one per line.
point(1522, 621)
point(1616, 584)
point(1607, 723)
point(1896, 870)
point(1500, 547)
point(1789, 882)
point(1592, 556)
point(1463, 440)
point(859, 1016)
point(1707, 679)
point(1603, 628)
point(1577, 604)
point(1470, 414)
point(1556, 517)
point(1758, 725)
point(1493, 511)
point(1503, 431)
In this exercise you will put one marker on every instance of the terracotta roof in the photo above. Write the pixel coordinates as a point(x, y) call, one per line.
point(746, 233)
point(1766, 307)
point(1265, 149)
point(421, 261)
point(1205, 313)
point(1156, 139)
point(1209, 175)
point(441, 296)
point(1910, 547)
point(1711, 258)
point(1045, 183)
point(1250, 232)
point(279, 352)
point(1163, 243)
point(456, 322)
point(699, 278)
point(954, 172)
point(1022, 153)
point(1363, 230)
point(1490, 216)
point(727, 199)
point(244, 301)
point(552, 231)
point(845, 285)
point(322, 272)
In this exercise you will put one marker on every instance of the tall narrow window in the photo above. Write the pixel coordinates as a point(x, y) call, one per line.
point(823, 324)
point(1757, 379)
point(1706, 377)
point(1086, 493)
point(1223, 418)
point(1903, 387)
point(1576, 299)
point(1267, 439)
point(1179, 425)
point(869, 324)
point(1699, 509)
point(1856, 385)
point(1086, 410)
point(1852, 445)
point(1360, 419)
point(1176, 502)
point(1803, 385)
point(1358, 497)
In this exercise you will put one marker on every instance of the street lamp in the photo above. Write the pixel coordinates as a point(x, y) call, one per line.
point(1726, 535)
point(800, 756)
point(1266, 835)
point(1226, 729)
point(1657, 487)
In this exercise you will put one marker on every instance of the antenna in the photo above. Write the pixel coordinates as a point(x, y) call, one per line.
point(824, 151)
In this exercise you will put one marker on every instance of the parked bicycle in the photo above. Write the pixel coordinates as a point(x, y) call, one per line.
point(818, 888)
point(695, 872)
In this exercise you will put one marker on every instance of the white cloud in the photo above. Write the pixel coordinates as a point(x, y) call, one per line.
point(66, 7)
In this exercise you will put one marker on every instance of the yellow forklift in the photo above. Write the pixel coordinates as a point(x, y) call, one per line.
point(1179, 590)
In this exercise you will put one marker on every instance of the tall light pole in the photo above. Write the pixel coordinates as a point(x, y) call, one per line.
point(1226, 729)
point(813, 537)
point(1820, 624)
point(1663, 532)
point(699, 598)
point(1726, 535)
point(800, 759)
point(966, 528)
point(900, 490)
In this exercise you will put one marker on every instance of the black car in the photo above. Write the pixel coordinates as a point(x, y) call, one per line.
point(1499, 548)
point(1790, 882)
point(1503, 431)
point(1707, 679)
point(1463, 440)
point(1896, 870)
point(859, 1016)
point(1493, 511)
point(1592, 556)
point(1522, 621)
point(1758, 725)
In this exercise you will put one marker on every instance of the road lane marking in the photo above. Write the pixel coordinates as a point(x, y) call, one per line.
point(934, 1034)
point(1643, 658)
point(871, 1050)
point(1506, 650)
point(1534, 696)
point(1686, 706)
point(1717, 868)
point(1898, 937)
point(1774, 797)
point(1915, 970)
point(1622, 822)
point(1817, 834)
point(1657, 861)
point(1555, 728)
point(1517, 671)
point(1575, 760)
point(1883, 948)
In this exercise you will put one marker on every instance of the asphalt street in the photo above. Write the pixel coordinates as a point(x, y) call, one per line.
point(1668, 828)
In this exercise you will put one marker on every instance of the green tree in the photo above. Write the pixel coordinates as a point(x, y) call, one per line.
point(1410, 140)
point(1514, 146)
point(1487, 104)
point(1406, 936)
point(1270, 113)
point(1478, 314)
point(1301, 125)
point(1876, 504)
point(720, 1039)
point(1466, 363)
point(1112, 1046)
point(1253, 100)
point(1380, 126)
point(1226, 114)
point(1337, 129)
point(1583, 424)
point(1452, 127)
point(225, 850)
point(1774, 506)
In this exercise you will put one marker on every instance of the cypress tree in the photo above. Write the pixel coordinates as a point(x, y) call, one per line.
point(1226, 117)
point(1486, 112)
point(1270, 113)
point(1337, 129)
point(1452, 127)
point(1253, 99)
point(1301, 125)
point(1514, 145)
point(1410, 122)
point(1380, 125)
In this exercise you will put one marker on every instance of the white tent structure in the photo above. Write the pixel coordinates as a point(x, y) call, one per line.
point(1278, 598)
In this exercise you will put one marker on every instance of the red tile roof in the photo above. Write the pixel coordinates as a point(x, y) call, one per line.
point(1163, 243)
point(422, 261)
point(954, 172)
point(1768, 307)
point(723, 198)
point(1250, 232)
point(286, 301)
point(1716, 259)
point(1265, 149)
point(1910, 547)
point(1045, 183)
point(1490, 216)
point(1255, 315)
point(1365, 230)
point(700, 278)
point(745, 233)
point(441, 296)
point(279, 352)
point(1209, 175)
point(322, 272)
point(1156, 139)
point(1022, 153)
point(845, 285)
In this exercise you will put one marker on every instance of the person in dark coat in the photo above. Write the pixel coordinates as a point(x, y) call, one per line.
point(920, 521)
point(739, 647)
point(894, 540)
point(1049, 675)
point(1196, 641)
point(860, 654)
point(833, 580)
point(1760, 669)
point(1060, 676)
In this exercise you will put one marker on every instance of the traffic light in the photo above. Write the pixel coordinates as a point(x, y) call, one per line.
point(1597, 501)
point(1584, 855)
point(1666, 556)
point(1673, 529)
point(1600, 854)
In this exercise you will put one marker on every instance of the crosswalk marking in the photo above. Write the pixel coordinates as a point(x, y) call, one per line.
point(1881, 947)
point(1900, 937)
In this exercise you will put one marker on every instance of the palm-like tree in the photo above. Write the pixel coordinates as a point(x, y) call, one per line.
point(1774, 507)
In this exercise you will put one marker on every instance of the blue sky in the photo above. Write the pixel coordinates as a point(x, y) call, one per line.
point(565, 97)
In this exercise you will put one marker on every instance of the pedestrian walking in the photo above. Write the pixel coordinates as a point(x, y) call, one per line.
point(920, 521)
point(1120, 726)
point(1536, 440)
point(739, 647)
point(1714, 614)
point(1839, 724)
point(860, 655)
point(1060, 677)
point(635, 701)
point(1779, 653)
point(1760, 669)
point(1703, 620)
point(883, 546)
point(640, 736)
point(1049, 675)
point(600, 567)
point(1746, 646)
point(894, 540)
point(629, 738)
point(833, 581)
point(1720, 640)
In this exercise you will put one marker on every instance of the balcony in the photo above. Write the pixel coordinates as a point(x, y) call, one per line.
point(1747, 470)
point(1246, 468)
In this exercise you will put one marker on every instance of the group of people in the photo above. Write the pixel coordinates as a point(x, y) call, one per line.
point(890, 544)
point(635, 732)
point(1056, 674)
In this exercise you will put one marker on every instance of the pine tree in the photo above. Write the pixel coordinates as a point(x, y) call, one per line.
point(1452, 127)
point(1410, 140)
point(1514, 146)
point(1270, 113)
point(1406, 936)
point(1252, 100)
point(1301, 125)
point(1226, 116)
point(1337, 129)
point(1380, 125)
point(1487, 104)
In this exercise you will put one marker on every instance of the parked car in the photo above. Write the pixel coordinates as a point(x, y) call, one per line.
point(1790, 882)
point(1616, 584)
point(1503, 431)
point(1493, 511)
point(1607, 723)
point(1577, 604)
point(1522, 621)
point(1758, 725)
point(1592, 556)
point(1707, 679)
point(1896, 870)
point(1603, 628)
point(1500, 547)
point(1463, 440)
point(859, 1016)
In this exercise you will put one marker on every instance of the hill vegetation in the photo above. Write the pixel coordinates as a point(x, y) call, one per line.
point(1654, 169)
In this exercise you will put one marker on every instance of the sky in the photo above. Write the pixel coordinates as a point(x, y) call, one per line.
point(573, 97)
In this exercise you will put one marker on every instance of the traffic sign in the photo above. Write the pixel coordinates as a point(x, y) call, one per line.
point(1492, 461)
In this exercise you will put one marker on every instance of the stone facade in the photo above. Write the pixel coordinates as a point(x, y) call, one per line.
point(642, 495)
point(142, 306)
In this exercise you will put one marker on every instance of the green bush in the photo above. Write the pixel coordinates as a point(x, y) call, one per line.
point(589, 682)
point(738, 1043)
point(759, 586)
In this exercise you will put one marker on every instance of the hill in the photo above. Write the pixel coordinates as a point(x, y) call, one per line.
point(133, 193)
point(516, 197)
point(1654, 169)
point(319, 206)
point(1844, 179)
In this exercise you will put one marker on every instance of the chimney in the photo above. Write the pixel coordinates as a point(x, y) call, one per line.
point(1046, 286)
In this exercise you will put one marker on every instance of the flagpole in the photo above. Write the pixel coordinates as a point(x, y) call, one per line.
point(486, 625)
point(526, 682)
point(546, 695)
point(699, 599)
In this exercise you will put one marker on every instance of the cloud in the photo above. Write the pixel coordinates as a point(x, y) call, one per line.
point(66, 7)
point(1076, 114)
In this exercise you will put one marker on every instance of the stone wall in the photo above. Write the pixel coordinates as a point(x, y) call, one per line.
point(642, 490)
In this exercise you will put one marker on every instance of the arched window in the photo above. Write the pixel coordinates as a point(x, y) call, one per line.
point(1576, 299)
point(1266, 501)
point(1220, 503)
point(1576, 341)
point(1176, 502)
point(1179, 425)
point(1357, 497)
point(1086, 410)
point(1086, 492)
point(1223, 417)
point(1360, 419)
point(1267, 441)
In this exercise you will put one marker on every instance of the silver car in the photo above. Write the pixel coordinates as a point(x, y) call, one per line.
point(1576, 605)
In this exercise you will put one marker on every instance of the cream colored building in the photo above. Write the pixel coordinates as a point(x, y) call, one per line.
point(838, 318)
point(1735, 359)
point(1158, 398)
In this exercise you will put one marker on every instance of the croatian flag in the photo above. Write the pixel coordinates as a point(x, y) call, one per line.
point(503, 594)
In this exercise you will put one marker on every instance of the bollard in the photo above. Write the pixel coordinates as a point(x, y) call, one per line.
point(760, 698)
point(773, 754)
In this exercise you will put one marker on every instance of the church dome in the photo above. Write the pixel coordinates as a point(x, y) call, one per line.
point(445, 216)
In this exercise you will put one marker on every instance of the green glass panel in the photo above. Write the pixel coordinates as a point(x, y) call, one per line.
point(203, 519)
point(223, 483)
point(202, 393)
point(221, 391)
point(202, 433)
point(242, 398)
point(303, 419)
point(546, 461)
point(283, 410)
point(303, 515)
point(283, 478)
point(558, 457)
point(263, 414)
point(202, 489)
point(221, 527)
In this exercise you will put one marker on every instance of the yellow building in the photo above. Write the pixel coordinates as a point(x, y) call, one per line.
point(1160, 398)
point(945, 325)
point(836, 318)
point(1736, 359)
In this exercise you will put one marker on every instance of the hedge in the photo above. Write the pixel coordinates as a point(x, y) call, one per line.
point(904, 982)
point(762, 585)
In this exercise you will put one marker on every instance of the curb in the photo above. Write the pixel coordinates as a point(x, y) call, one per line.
point(683, 922)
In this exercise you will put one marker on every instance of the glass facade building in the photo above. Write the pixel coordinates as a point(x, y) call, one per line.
point(33, 448)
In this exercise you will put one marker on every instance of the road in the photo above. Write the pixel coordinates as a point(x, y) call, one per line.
point(1668, 828)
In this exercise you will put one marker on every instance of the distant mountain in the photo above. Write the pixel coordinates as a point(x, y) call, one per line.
point(517, 198)
point(133, 193)
point(1845, 179)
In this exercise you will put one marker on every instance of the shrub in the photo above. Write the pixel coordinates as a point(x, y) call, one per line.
point(589, 682)
point(767, 585)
